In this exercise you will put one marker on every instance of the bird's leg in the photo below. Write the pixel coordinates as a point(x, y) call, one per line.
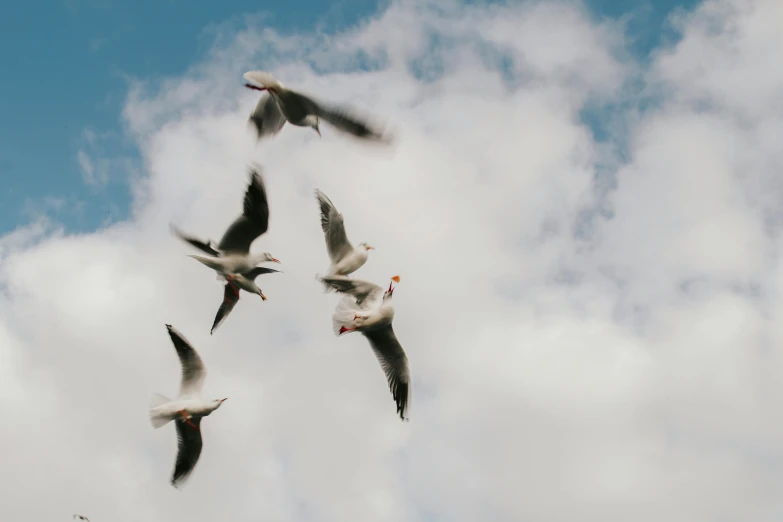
point(186, 418)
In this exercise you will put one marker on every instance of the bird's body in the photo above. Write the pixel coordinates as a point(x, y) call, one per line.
point(235, 283)
point(186, 410)
point(172, 409)
point(351, 262)
point(346, 258)
point(233, 263)
point(232, 255)
point(282, 104)
point(367, 309)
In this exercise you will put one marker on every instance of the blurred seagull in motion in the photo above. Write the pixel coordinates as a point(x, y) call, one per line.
point(282, 104)
point(235, 282)
point(368, 309)
point(80, 517)
point(186, 410)
point(346, 259)
point(232, 255)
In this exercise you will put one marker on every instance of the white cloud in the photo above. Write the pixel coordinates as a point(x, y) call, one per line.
point(629, 375)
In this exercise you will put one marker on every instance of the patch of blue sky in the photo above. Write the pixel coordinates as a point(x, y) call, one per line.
point(67, 66)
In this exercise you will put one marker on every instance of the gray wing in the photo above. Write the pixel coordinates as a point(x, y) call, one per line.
point(343, 118)
point(334, 229)
point(230, 299)
point(267, 118)
point(254, 220)
point(361, 290)
point(189, 446)
point(193, 370)
point(394, 363)
point(201, 245)
point(257, 271)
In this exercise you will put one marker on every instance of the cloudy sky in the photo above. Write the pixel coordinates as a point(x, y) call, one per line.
point(584, 205)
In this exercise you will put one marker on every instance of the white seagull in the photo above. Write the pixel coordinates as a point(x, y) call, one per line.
point(235, 282)
point(283, 104)
point(186, 410)
point(346, 259)
point(80, 517)
point(232, 255)
point(368, 309)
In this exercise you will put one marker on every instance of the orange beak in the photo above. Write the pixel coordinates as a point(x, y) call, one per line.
point(262, 295)
point(274, 260)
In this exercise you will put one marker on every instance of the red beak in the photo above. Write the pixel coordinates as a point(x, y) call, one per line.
point(221, 400)
point(275, 260)
point(251, 86)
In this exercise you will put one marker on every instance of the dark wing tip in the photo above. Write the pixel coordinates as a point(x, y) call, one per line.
point(169, 327)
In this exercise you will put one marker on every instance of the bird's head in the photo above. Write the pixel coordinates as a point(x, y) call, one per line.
point(266, 256)
point(218, 402)
point(390, 291)
point(366, 246)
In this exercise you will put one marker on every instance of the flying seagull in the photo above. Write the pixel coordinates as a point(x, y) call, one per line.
point(282, 104)
point(80, 517)
point(186, 410)
point(368, 309)
point(345, 258)
point(234, 283)
point(232, 255)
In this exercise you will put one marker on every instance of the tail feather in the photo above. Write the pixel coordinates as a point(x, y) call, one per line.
point(156, 419)
point(344, 313)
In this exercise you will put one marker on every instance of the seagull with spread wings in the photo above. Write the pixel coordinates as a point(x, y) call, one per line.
point(346, 258)
point(282, 104)
point(368, 309)
point(232, 255)
point(234, 283)
point(186, 410)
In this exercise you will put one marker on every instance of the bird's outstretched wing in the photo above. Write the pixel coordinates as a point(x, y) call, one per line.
point(257, 271)
point(230, 299)
point(254, 220)
point(334, 229)
point(267, 118)
point(343, 118)
point(394, 363)
point(189, 446)
point(193, 370)
point(361, 290)
point(201, 245)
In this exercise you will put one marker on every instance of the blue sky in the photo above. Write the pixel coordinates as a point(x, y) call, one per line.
point(90, 47)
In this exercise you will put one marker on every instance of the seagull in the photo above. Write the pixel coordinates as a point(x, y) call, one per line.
point(346, 258)
point(283, 104)
point(80, 517)
point(232, 255)
point(368, 309)
point(235, 282)
point(186, 410)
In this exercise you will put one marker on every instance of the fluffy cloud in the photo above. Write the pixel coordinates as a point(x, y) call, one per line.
point(625, 370)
